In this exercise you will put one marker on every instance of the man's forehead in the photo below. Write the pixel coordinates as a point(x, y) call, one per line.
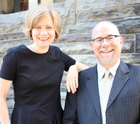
point(105, 25)
point(104, 28)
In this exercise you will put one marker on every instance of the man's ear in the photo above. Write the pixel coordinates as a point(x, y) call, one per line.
point(92, 45)
point(121, 40)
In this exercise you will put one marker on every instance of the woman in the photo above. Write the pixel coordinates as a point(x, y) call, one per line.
point(36, 71)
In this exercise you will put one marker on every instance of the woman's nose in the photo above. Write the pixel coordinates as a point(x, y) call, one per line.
point(43, 31)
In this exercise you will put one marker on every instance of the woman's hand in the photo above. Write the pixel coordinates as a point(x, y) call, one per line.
point(72, 76)
point(72, 79)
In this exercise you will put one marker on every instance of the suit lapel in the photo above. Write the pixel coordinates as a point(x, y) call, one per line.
point(92, 86)
point(119, 82)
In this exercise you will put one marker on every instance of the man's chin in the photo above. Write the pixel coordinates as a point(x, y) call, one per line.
point(107, 61)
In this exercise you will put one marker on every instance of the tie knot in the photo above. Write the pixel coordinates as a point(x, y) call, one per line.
point(107, 72)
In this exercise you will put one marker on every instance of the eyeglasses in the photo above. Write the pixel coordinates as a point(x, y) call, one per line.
point(109, 39)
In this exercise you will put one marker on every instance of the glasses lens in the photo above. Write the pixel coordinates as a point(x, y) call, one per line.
point(111, 38)
point(98, 40)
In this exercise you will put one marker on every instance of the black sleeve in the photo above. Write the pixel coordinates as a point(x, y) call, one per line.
point(8, 69)
point(68, 61)
point(70, 110)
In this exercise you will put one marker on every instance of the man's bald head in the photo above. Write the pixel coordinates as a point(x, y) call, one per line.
point(105, 25)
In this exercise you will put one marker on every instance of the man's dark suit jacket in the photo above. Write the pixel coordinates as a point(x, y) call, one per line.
point(123, 106)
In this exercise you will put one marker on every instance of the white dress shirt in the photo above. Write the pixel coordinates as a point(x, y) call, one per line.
point(101, 72)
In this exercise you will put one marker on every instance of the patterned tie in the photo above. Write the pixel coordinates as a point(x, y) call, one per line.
point(104, 90)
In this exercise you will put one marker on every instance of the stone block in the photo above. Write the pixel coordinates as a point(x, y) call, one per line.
point(63, 29)
point(137, 10)
point(80, 28)
point(86, 5)
point(135, 59)
point(10, 103)
point(13, 22)
point(12, 36)
point(10, 112)
point(137, 43)
point(107, 14)
point(89, 60)
point(5, 45)
point(125, 57)
point(131, 58)
point(128, 46)
point(74, 38)
point(63, 97)
point(127, 37)
point(66, 10)
point(11, 93)
point(125, 26)
point(76, 48)
point(63, 85)
point(129, 25)
point(1, 60)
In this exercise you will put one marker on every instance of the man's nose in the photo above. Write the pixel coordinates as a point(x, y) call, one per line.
point(105, 42)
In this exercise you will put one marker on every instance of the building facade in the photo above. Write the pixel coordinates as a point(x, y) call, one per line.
point(11, 6)
point(78, 19)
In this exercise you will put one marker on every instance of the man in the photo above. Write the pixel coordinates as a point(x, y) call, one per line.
point(108, 93)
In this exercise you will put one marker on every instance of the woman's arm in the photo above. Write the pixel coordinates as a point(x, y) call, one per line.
point(4, 89)
point(72, 76)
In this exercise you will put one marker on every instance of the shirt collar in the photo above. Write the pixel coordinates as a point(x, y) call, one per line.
point(102, 69)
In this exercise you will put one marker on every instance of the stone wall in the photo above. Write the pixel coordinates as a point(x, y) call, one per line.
point(78, 19)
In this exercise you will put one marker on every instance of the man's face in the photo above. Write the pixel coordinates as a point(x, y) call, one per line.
point(107, 53)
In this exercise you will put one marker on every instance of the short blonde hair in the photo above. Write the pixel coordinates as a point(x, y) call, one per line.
point(36, 13)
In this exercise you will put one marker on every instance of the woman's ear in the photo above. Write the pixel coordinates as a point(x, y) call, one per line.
point(56, 35)
point(31, 33)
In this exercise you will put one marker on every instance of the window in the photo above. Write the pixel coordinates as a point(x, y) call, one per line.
point(11, 6)
point(23, 5)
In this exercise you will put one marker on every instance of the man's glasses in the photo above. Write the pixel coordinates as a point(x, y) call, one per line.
point(109, 39)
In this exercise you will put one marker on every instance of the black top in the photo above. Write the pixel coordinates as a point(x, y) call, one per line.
point(36, 80)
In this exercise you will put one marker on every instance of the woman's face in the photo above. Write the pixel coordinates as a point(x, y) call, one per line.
point(43, 33)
